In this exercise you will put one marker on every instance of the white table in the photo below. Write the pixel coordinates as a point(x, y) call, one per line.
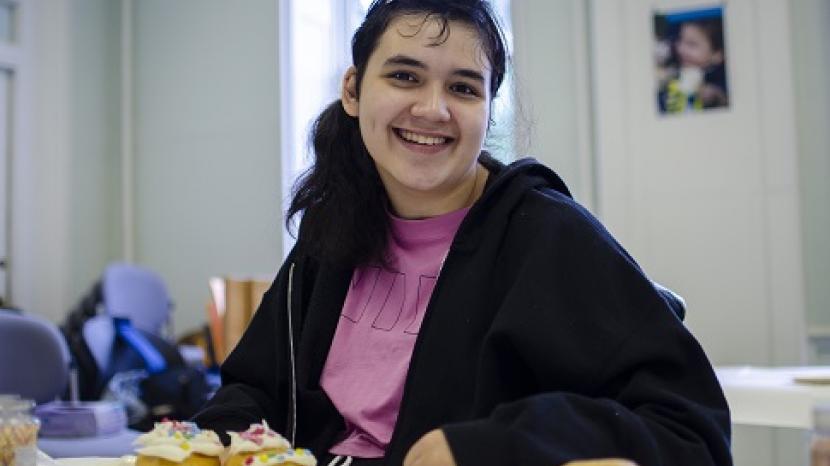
point(767, 396)
point(113, 445)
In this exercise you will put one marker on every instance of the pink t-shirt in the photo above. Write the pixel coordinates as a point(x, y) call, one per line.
point(369, 357)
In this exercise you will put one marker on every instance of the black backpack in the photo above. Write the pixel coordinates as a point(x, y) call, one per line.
point(168, 387)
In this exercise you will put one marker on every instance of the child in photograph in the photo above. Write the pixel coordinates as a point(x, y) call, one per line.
point(696, 77)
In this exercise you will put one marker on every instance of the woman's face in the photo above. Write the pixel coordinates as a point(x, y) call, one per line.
point(423, 110)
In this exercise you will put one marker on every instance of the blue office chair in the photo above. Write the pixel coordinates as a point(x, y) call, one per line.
point(43, 377)
point(126, 295)
point(34, 359)
point(137, 294)
point(115, 335)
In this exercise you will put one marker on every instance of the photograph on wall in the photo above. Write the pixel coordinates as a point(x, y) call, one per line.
point(690, 60)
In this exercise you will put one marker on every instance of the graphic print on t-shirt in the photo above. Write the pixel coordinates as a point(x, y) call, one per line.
point(386, 299)
point(426, 285)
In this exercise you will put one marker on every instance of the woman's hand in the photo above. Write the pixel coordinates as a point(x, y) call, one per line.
point(431, 450)
point(605, 462)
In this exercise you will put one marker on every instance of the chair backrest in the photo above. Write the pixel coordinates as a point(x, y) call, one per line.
point(99, 334)
point(138, 294)
point(34, 359)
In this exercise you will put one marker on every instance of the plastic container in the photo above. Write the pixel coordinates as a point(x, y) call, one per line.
point(18, 432)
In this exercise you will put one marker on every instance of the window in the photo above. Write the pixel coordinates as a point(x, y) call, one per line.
point(315, 49)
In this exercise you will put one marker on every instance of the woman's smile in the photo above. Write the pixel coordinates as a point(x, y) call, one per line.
point(423, 142)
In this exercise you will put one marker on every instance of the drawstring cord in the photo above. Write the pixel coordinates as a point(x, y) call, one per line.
point(291, 353)
point(346, 461)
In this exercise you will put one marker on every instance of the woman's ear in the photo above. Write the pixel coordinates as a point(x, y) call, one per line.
point(348, 92)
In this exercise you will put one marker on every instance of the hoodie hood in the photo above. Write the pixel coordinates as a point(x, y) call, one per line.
point(536, 176)
point(506, 187)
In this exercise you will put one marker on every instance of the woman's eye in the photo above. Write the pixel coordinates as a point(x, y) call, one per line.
point(402, 76)
point(464, 89)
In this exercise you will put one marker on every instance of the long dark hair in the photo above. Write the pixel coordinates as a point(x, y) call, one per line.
point(344, 204)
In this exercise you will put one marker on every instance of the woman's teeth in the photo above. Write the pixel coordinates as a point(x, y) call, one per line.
point(420, 138)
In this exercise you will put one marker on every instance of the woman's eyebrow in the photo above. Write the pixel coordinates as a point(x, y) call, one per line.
point(415, 63)
point(404, 60)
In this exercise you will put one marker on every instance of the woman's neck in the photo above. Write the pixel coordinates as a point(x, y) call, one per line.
point(415, 205)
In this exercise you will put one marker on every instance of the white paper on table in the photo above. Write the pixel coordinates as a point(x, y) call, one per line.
point(123, 461)
point(770, 396)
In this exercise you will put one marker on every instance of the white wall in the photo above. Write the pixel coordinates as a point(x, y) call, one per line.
point(708, 203)
point(207, 171)
point(811, 60)
point(63, 202)
point(551, 60)
point(93, 135)
point(205, 132)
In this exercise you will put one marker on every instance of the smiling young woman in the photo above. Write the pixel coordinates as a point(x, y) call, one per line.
point(441, 308)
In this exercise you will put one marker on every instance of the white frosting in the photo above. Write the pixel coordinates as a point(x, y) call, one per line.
point(176, 441)
point(299, 456)
point(168, 452)
point(258, 437)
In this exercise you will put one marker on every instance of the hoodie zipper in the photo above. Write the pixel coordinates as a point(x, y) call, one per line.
point(292, 408)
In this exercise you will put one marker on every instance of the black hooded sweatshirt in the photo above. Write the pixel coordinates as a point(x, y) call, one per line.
point(543, 342)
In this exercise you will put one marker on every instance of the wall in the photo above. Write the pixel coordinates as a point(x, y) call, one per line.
point(63, 206)
point(206, 138)
point(811, 62)
point(551, 60)
point(205, 132)
point(708, 202)
point(93, 172)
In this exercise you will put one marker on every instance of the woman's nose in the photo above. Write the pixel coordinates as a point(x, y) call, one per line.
point(431, 105)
